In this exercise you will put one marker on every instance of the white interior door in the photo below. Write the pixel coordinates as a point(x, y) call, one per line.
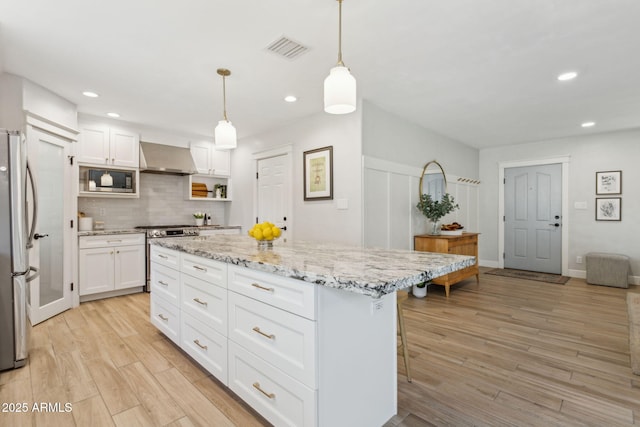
point(533, 218)
point(50, 293)
point(274, 191)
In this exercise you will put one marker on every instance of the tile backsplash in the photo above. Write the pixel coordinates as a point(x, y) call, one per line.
point(162, 202)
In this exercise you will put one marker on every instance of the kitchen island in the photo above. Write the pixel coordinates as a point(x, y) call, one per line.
point(305, 333)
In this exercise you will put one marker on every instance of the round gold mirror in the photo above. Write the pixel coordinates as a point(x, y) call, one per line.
point(433, 181)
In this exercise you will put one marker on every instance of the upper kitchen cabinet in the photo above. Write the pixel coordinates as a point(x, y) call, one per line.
point(210, 161)
point(108, 146)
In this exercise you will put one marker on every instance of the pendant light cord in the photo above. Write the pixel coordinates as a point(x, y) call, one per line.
point(340, 34)
point(224, 98)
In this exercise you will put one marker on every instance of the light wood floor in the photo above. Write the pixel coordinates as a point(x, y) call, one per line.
point(505, 352)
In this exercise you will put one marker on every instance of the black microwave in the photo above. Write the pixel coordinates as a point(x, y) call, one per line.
point(106, 180)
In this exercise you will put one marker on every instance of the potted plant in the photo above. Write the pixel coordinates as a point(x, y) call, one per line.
point(434, 209)
point(199, 216)
point(420, 290)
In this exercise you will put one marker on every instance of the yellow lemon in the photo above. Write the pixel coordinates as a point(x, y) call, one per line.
point(250, 232)
point(276, 232)
point(267, 233)
point(257, 234)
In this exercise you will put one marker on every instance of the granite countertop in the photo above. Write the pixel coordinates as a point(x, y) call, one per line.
point(134, 230)
point(367, 271)
point(109, 232)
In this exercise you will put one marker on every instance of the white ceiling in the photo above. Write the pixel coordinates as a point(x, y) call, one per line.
point(482, 72)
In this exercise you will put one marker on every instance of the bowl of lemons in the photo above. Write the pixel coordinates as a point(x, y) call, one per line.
point(265, 233)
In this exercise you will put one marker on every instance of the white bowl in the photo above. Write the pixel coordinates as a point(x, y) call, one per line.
point(451, 232)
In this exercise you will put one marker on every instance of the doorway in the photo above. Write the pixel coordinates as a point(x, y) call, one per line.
point(273, 189)
point(50, 293)
point(538, 192)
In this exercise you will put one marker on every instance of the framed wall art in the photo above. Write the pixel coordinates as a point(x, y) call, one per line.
point(318, 174)
point(609, 209)
point(609, 182)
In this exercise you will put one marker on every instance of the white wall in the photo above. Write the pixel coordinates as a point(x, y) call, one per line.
point(395, 151)
point(318, 220)
point(392, 138)
point(588, 154)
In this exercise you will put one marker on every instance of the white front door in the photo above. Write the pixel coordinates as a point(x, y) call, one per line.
point(50, 293)
point(533, 218)
point(274, 191)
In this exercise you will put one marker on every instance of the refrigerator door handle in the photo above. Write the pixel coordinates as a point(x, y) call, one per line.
point(34, 276)
point(34, 191)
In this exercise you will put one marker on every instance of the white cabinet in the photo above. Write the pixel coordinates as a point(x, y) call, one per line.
point(210, 161)
point(108, 146)
point(196, 182)
point(111, 262)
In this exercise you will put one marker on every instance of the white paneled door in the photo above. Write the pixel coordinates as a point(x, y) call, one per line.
point(50, 293)
point(533, 218)
point(274, 191)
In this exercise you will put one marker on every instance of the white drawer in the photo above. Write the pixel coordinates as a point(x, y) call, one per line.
point(164, 256)
point(206, 346)
point(166, 282)
point(279, 398)
point(296, 296)
point(205, 302)
point(206, 269)
point(283, 339)
point(166, 317)
point(219, 231)
point(87, 242)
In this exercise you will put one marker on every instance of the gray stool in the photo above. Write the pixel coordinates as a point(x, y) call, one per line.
point(608, 269)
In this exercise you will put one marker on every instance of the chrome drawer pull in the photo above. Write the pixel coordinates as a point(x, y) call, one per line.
point(162, 317)
point(269, 395)
point(114, 241)
point(255, 285)
point(163, 256)
point(204, 347)
point(200, 302)
point(163, 283)
point(197, 267)
point(270, 336)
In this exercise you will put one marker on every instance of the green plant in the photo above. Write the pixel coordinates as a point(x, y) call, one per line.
point(434, 209)
point(198, 215)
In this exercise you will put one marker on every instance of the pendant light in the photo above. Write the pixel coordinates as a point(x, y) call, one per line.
point(340, 85)
point(225, 134)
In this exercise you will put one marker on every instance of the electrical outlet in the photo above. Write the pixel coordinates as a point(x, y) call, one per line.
point(376, 305)
point(579, 260)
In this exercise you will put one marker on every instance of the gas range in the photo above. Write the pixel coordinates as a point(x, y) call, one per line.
point(161, 231)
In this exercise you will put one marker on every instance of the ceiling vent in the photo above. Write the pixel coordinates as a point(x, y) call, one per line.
point(287, 48)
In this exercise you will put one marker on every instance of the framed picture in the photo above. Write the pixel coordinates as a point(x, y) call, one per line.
point(608, 209)
point(609, 182)
point(318, 174)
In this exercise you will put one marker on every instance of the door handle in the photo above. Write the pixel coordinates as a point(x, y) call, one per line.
point(283, 228)
point(40, 236)
point(555, 224)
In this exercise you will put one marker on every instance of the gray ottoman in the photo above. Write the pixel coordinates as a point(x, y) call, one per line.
point(608, 269)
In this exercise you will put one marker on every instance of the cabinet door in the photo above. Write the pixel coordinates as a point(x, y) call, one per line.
point(94, 145)
point(201, 153)
point(221, 162)
point(124, 148)
point(95, 270)
point(129, 267)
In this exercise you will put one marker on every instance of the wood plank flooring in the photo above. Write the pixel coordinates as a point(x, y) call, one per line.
point(503, 352)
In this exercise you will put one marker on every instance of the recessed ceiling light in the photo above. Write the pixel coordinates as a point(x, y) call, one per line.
point(567, 76)
point(290, 98)
point(90, 94)
point(114, 115)
point(588, 124)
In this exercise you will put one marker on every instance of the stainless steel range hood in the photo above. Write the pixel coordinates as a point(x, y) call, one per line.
point(159, 158)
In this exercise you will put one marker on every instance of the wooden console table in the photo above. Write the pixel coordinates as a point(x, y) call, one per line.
point(465, 244)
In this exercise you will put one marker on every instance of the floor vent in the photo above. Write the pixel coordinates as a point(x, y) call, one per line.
point(287, 48)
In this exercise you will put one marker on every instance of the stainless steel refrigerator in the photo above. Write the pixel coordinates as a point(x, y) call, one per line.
point(15, 240)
